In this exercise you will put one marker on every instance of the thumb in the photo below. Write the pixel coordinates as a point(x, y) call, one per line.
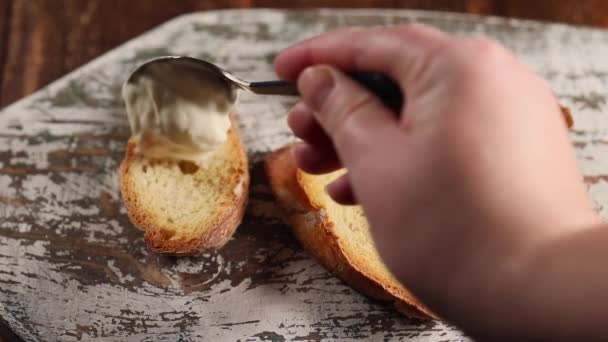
point(354, 118)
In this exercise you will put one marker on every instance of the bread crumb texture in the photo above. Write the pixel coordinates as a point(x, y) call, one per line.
point(180, 204)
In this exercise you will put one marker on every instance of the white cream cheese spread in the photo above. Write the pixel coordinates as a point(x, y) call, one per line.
point(178, 112)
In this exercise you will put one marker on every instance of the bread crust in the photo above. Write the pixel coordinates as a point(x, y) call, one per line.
point(316, 233)
point(222, 227)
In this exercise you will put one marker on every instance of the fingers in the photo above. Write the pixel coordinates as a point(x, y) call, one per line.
point(316, 159)
point(354, 119)
point(391, 51)
point(302, 122)
point(341, 191)
point(316, 155)
point(354, 122)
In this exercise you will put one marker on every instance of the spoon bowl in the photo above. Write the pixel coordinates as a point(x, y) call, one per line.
point(383, 87)
point(207, 69)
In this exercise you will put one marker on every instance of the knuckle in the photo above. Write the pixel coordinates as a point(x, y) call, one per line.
point(482, 58)
point(360, 103)
point(419, 32)
point(344, 129)
point(486, 50)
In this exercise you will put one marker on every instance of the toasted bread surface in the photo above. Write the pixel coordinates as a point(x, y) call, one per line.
point(182, 208)
point(338, 236)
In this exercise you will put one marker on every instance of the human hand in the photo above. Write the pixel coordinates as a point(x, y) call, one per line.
point(474, 173)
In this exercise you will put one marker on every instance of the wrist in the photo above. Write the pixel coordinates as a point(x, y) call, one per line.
point(519, 288)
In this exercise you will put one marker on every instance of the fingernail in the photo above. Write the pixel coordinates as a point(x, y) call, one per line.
point(295, 116)
point(300, 107)
point(315, 84)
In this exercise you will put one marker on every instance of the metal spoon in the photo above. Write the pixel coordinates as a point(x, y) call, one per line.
point(383, 87)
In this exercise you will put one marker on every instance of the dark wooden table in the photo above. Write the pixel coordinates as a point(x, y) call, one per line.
point(41, 40)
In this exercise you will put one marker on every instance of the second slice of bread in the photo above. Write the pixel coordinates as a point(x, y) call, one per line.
point(337, 236)
point(184, 209)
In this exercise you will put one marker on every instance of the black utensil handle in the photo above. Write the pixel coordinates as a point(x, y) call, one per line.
point(383, 87)
point(275, 88)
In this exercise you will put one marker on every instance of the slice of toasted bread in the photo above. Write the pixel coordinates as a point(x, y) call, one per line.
point(182, 208)
point(337, 236)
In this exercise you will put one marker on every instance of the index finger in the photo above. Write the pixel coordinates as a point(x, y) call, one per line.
point(391, 51)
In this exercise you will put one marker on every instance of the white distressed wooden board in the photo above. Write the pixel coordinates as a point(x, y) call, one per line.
point(73, 268)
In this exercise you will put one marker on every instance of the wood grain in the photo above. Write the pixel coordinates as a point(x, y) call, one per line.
point(40, 40)
point(6, 334)
point(5, 7)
